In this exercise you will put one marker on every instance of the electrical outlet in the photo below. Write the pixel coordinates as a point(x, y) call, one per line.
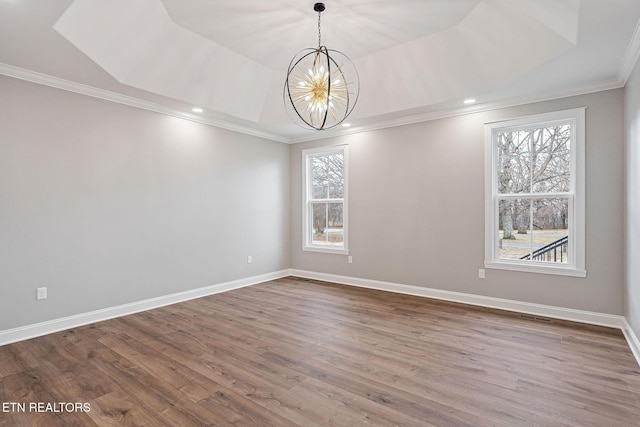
point(350, 259)
point(249, 259)
point(481, 273)
point(41, 293)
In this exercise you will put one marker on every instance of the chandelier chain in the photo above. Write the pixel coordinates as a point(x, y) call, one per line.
point(319, 29)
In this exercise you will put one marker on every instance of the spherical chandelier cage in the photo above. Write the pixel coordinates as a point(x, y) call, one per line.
point(322, 86)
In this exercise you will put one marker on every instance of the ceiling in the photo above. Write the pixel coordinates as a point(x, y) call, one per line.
point(416, 59)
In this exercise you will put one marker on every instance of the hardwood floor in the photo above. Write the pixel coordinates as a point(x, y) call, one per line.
point(294, 352)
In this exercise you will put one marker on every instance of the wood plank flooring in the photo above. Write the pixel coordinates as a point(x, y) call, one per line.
point(295, 352)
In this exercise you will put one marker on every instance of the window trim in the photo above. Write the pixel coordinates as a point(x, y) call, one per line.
point(576, 213)
point(307, 242)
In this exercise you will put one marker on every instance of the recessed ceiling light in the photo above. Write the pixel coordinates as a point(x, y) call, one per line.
point(197, 110)
point(470, 101)
point(346, 125)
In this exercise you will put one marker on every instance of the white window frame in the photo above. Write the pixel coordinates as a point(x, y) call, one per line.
point(576, 196)
point(307, 222)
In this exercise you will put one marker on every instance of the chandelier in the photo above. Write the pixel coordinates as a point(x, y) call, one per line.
point(317, 88)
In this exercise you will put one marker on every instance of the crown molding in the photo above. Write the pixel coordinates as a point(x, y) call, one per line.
point(455, 112)
point(630, 57)
point(59, 83)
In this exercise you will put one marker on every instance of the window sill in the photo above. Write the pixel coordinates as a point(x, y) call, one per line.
point(536, 268)
point(327, 250)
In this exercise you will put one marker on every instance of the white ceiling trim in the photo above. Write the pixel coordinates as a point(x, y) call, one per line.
point(631, 57)
point(58, 83)
point(443, 114)
point(55, 82)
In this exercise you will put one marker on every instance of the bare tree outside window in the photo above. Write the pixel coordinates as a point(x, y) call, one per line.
point(533, 175)
point(325, 198)
point(535, 193)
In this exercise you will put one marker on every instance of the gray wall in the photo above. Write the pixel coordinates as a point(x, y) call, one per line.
point(416, 209)
point(632, 207)
point(106, 204)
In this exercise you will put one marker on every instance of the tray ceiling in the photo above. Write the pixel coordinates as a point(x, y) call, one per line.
point(416, 58)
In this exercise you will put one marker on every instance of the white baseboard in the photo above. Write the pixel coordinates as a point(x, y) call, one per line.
point(581, 316)
point(31, 331)
point(479, 300)
point(632, 339)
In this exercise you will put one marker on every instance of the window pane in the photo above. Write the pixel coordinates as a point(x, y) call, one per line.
point(319, 181)
point(514, 228)
point(534, 160)
point(544, 240)
point(328, 226)
point(514, 155)
point(335, 233)
point(551, 159)
point(327, 176)
point(319, 215)
point(550, 230)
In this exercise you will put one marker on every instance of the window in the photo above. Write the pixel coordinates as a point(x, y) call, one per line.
point(534, 210)
point(325, 199)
